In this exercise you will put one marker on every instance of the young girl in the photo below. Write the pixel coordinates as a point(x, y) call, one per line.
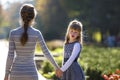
point(72, 48)
point(20, 64)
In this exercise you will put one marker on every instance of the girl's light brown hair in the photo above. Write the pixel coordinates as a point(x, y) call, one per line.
point(27, 14)
point(76, 25)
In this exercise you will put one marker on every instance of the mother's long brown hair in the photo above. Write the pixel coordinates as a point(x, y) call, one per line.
point(27, 14)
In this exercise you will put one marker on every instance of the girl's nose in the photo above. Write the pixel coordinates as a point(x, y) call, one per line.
point(73, 33)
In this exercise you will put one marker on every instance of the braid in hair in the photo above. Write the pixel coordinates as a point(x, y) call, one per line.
point(24, 36)
point(27, 15)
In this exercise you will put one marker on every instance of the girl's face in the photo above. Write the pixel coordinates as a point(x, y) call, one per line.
point(73, 34)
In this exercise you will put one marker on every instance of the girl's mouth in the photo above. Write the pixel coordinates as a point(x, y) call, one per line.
point(72, 35)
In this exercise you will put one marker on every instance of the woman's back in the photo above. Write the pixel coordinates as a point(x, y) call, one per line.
point(29, 47)
point(24, 57)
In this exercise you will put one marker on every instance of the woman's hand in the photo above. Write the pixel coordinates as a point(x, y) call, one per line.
point(58, 73)
point(6, 77)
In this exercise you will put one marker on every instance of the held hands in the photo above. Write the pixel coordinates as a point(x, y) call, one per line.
point(58, 73)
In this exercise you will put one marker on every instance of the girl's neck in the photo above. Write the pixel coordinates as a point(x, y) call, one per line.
point(71, 41)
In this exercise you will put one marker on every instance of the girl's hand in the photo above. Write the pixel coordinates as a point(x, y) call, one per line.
point(58, 73)
point(6, 77)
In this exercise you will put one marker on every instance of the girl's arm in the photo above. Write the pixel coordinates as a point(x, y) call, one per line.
point(75, 52)
point(10, 57)
point(46, 51)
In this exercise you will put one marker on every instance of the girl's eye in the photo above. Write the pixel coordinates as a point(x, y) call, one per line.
point(76, 32)
point(71, 31)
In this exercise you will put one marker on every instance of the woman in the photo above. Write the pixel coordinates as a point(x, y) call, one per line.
point(20, 64)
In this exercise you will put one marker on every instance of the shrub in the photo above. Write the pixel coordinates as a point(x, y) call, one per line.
point(94, 60)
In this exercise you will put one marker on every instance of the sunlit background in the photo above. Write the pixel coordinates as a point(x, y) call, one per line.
point(101, 32)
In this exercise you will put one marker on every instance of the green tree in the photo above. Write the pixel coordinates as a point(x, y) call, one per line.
point(13, 15)
point(1, 15)
point(101, 15)
point(53, 18)
point(95, 14)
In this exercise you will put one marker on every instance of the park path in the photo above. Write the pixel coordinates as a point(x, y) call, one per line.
point(3, 57)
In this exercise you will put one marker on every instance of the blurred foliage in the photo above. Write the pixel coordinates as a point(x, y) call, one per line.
point(53, 45)
point(97, 36)
point(95, 15)
point(1, 16)
point(54, 16)
point(14, 14)
point(98, 17)
point(99, 60)
point(94, 60)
